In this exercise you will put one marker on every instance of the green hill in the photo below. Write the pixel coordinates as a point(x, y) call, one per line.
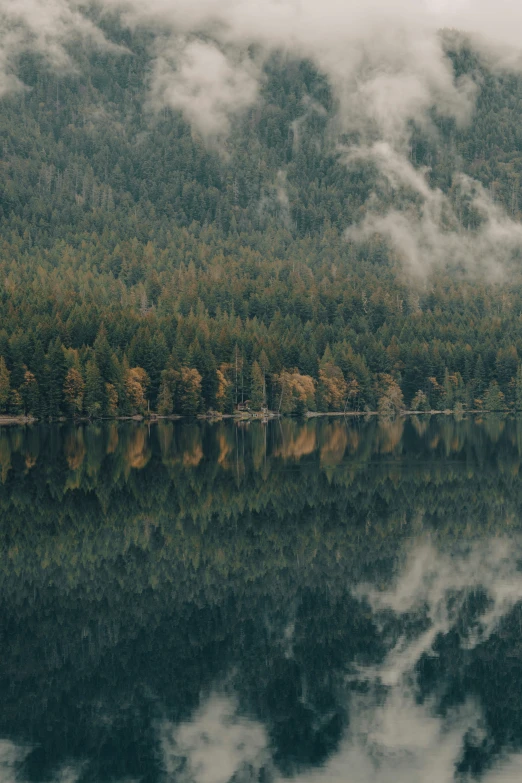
point(130, 243)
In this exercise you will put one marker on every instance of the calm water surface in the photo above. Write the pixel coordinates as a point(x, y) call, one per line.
point(323, 601)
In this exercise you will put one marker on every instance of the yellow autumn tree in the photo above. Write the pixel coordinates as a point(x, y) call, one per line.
point(136, 385)
point(224, 402)
point(296, 392)
point(73, 390)
point(332, 388)
point(389, 395)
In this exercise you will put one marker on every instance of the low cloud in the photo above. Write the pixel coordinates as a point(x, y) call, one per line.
point(388, 67)
point(46, 27)
point(12, 757)
point(385, 61)
point(208, 86)
point(429, 232)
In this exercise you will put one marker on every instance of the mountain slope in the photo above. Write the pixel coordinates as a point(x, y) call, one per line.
point(129, 241)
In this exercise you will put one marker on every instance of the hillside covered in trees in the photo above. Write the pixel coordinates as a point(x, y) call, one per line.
point(143, 268)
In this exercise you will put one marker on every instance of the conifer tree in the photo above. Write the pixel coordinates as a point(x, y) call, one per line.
point(103, 354)
point(94, 397)
point(73, 390)
point(168, 391)
point(5, 385)
point(111, 399)
point(257, 388)
point(224, 392)
point(30, 393)
point(518, 389)
point(191, 398)
point(56, 370)
point(494, 399)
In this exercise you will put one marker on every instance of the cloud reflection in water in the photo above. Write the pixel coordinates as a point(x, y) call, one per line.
point(393, 734)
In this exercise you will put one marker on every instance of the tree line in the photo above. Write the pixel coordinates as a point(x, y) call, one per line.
point(143, 271)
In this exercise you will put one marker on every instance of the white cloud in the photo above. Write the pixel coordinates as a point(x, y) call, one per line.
point(45, 27)
point(384, 58)
point(214, 746)
point(387, 65)
point(12, 757)
point(431, 233)
point(206, 85)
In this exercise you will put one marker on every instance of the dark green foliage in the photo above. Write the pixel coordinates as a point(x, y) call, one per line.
point(127, 240)
point(94, 390)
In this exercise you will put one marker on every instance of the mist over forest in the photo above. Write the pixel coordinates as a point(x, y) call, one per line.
point(287, 206)
point(305, 216)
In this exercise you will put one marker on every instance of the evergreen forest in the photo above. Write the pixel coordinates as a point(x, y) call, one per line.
point(144, 270)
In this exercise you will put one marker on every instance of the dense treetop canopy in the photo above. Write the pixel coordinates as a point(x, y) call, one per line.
point(142, 267)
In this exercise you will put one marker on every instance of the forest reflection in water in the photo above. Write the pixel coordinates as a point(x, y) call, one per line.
point(248, 445)
point(332, 600)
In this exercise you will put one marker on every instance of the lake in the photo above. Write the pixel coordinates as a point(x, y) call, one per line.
point(330, 600)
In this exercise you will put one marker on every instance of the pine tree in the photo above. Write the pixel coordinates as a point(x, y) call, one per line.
point(94, 396)
point(103, 355)
point(449, 391)
point(191, 399)
point(36, 366)
point(16, 402)
point(111, 399)
point(257, 388)
point(56, 370)
point(30, 393)
point(224, 393)
point(201, 358)
point(479, 377)
point(73, 390)
point(5, 385)
point(494, 398)
point(17, 350)
point(167, 392)
point(518, 389)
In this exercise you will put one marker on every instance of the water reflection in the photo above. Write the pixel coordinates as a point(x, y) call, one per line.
point(401, 726)
point(327, 600)
point(249, 446)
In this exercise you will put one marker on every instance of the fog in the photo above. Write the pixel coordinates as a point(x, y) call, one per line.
point(385, 61)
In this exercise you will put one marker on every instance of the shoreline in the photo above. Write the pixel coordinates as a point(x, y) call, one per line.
point(6, 419)
point(13, 420)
